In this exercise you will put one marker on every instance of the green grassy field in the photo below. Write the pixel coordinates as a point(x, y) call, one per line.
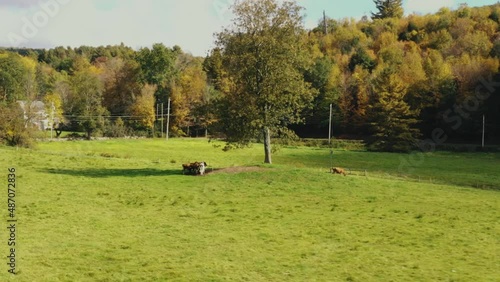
point(121, 210)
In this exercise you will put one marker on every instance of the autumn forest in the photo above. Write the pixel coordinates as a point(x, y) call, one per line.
point(391, 78)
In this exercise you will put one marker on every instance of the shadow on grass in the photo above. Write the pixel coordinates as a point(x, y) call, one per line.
point(105, 173)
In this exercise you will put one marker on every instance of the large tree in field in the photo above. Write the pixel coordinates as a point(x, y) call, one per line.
point(264, 57)
point(388, 9)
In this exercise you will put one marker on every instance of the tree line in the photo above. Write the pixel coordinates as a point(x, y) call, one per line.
point(111, 91)
point(392, 79)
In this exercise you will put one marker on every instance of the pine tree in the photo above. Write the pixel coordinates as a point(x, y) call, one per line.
point(392, 118)
point(388, 9)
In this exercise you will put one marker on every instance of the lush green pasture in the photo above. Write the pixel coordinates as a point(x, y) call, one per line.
point(121, 210)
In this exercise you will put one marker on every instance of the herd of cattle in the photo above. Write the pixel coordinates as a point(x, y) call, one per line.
point(196, 168)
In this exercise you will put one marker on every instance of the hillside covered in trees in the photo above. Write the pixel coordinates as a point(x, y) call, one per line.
point(391, 78)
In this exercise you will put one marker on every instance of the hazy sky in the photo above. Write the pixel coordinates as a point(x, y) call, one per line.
point(140, 23)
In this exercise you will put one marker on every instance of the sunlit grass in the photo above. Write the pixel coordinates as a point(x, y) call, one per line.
point(121, 210)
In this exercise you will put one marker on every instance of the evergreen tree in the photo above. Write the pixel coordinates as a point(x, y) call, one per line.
point(392, 118)
point(388, 9)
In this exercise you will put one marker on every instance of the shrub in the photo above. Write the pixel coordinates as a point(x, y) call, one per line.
point(116, 130)
point(14, 131)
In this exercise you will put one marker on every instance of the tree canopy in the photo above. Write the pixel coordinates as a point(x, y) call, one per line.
point(268, 77)
point(263, 55)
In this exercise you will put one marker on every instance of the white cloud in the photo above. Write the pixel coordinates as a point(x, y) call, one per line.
point(426, 6)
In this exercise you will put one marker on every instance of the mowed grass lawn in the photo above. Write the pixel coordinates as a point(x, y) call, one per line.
point(121, 210)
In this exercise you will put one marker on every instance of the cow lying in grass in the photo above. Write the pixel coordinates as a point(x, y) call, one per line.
point(338, 170)
point(194, 168)
point(201, 168)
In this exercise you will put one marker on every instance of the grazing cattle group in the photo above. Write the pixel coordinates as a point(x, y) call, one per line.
point(196, 168)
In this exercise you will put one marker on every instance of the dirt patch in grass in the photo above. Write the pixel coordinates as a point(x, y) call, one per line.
point(236, 169)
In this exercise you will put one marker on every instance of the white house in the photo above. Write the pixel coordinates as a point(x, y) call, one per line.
point(36, 114)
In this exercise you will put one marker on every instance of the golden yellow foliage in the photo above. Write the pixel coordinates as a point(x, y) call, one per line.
point(143, 108)
point(53, 102)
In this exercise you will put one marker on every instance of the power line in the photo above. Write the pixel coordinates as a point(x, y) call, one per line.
point(83, 116)
point(103, 116)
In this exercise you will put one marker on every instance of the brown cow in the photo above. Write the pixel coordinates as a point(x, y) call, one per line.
point(338, 170)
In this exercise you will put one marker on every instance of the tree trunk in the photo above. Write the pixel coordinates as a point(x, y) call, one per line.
point(58, 133)
point(267, 145)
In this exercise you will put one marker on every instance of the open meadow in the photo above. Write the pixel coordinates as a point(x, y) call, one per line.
point(121, 210)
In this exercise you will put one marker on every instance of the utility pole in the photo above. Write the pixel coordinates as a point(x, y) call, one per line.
point(484, 127)
point(330, 126)
point(168, 117)
point(162, 116)
point(330, 136)
point(324, 22)
point(156, 120)
point(51, 119)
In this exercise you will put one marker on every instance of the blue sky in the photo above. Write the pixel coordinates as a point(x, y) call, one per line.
point(140, 23)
